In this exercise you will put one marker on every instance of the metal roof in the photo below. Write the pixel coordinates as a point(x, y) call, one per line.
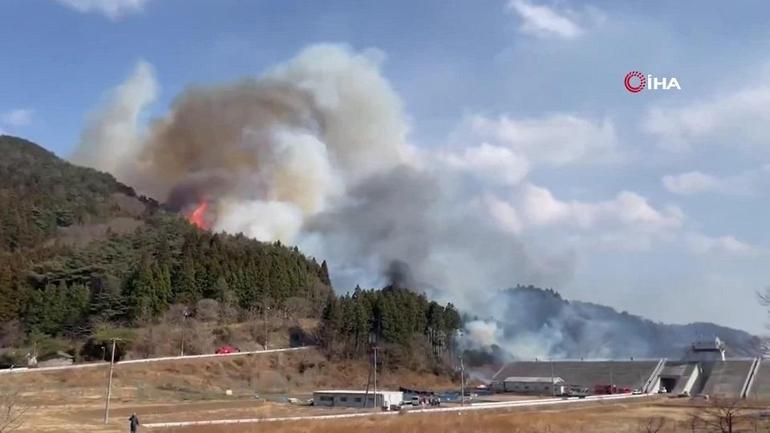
point(530, 379)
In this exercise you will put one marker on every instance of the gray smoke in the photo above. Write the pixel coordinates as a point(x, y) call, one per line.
point(529, 323)
point(314, 152)
point(454, 249)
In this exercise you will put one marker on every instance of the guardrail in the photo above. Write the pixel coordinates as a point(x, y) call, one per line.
point(149, 360)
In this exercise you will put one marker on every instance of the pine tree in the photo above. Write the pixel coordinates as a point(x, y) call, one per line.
point(325, 274)
point(186, 288)
point(143, 301)
point(331, 322)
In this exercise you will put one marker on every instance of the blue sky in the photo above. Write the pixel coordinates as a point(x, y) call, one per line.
point(661, 195)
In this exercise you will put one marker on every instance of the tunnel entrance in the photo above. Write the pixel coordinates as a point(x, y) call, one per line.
point(668, 382)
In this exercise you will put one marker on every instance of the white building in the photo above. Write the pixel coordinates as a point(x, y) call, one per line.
point(532, 385)
point(351, 398)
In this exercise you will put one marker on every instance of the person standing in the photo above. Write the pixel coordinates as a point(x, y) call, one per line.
point(133, 423)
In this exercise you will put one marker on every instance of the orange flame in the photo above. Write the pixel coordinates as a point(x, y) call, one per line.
point(198, 216)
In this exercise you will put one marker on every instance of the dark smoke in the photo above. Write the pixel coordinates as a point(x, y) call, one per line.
point(399, 275)
point(197, 188)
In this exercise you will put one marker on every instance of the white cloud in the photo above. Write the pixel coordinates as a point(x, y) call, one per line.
point(723, 245)
point(627, 209)
point(495, 163)
point(746, 183)
point(738, 119)
point(626, 222)
point(545, 21)
point(18, 117)
point(690, 183)
point(113, 9)
point(555, 139)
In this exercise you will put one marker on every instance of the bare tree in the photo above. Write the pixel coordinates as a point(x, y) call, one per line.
point(653, 424)
point(12, 411)
point(259, 321)
point(719, 416)
point(207, 310)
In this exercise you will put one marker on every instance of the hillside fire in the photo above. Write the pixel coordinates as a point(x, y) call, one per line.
point(198, 216)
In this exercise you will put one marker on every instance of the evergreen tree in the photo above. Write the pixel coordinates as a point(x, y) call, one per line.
point(325, 274)
point(331, 322)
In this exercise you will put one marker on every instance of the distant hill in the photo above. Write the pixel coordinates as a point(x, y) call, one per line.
point(541, 323)
point(79, 249)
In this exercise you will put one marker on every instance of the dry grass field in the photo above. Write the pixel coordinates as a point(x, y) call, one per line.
point(674, 416)
point(190, 389)
point(195, 390)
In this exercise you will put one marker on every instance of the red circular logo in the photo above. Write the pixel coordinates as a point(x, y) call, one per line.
point(641, 81)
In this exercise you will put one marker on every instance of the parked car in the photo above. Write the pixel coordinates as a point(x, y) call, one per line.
point(576, 391)
point(224, 350)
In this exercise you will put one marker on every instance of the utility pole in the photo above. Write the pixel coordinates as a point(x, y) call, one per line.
point(553, 384)
point(612, 385)
point(264, 316)
point(462, 381)
point(375, 374)
point(109, 383)
point(185, 315)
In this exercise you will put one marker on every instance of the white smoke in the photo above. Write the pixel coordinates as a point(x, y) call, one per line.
point(112, 135)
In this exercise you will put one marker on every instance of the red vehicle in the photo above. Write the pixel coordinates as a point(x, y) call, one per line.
point(610, 389)
point(224, 350)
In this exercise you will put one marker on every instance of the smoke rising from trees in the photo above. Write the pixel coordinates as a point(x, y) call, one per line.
point(315, 152)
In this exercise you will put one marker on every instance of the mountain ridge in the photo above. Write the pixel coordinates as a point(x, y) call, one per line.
point(579, 329)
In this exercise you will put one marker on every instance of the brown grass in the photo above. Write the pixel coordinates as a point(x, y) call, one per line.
point(191, 389)
point(194, 390)
point(609, 418)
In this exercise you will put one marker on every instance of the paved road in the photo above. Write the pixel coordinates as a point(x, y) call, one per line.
point(148, 360)
point(472, 407)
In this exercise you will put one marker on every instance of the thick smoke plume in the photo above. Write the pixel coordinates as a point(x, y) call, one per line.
point(314, 152)
point(268, 151)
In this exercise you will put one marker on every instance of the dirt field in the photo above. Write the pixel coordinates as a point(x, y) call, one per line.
point(195, 390)
point(594, 418)
point(191, 389)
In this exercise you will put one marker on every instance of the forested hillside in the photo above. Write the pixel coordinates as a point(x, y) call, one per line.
point(84, 258)
point(405, 323)
point(79, 249)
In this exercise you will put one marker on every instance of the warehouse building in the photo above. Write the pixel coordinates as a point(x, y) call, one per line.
point(532, 385)
point(361, 399)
